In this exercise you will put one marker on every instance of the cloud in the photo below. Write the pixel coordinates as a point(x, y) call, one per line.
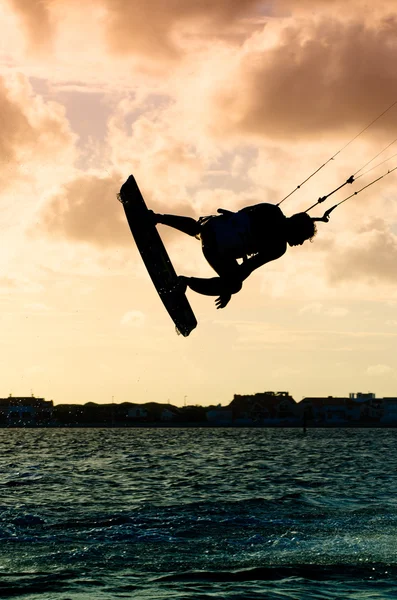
point(34, 370)
point(37, 151)
point(159, 146)
point(133, 318)
point(19, 284)
point(337, 311)
point(323, 75)
point(317, 308)
point(37, 307)
point(16, 129)
point(370, 256)
point(286, 372)
point(86, 210)
point(36, 19)
point(339, 6)
point(31, 129)
point(8, 284)
point(313, 308)
point(379, 370)
point(151, 28)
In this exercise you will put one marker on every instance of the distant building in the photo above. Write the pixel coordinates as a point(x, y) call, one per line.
point(328, 410)
point(137, 412)
point(354, 409)
point(359, 396)
point(389, 416)
point(265, 408)
point(170, 413)
point(25, 411)
point(220, 415)
point(262, 409)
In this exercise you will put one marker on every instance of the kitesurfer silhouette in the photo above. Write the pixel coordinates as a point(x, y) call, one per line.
point(256, 234)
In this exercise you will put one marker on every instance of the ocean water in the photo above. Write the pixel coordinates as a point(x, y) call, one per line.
point(198, 514)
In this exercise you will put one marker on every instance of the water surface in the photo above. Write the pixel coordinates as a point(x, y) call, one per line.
point(198, 513)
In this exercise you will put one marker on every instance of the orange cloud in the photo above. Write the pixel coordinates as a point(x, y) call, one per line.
point(372, 258)
point(321, 75)
point(149, 27)
point(86, 210)
point(36, 19)
point(31, 129)
point(143, 27)
point(15, 126)
point(340, 5)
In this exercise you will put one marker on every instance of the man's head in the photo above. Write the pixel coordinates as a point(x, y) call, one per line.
point(300, 227)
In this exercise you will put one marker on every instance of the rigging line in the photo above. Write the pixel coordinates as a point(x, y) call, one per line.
point(323, 198)
point(376, 156)
point(338, 152)
point(368, 126)
point(327, 212)
point(366, 186)
point(353, 177)
point(375, 166)
point(307, 179)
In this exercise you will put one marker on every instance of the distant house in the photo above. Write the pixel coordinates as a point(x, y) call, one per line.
point(389, 414)
point(319, 410)
point(193, 414)
point(372, 407)
point(69, 415)
point(220, 415)
point(265, 408)
point(355, 409)
point(138, 412)
point(153, 412)
point(335, 410)
point(169, 413)
point(25, 411)
point(362, 397)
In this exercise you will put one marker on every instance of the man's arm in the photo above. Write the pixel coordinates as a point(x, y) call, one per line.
point(232, 280)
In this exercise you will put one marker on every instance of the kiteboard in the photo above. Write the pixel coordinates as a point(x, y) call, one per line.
point(155, 257)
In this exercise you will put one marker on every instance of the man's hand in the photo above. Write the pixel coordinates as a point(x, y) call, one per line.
point(223, 300)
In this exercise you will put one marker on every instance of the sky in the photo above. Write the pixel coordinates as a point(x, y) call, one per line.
point(209, 104)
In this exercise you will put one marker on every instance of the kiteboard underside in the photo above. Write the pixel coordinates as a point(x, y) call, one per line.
point(156, 258)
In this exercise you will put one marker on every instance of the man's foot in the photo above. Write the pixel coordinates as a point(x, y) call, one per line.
point(181, 284)
point(127, 189)
point(153, 217)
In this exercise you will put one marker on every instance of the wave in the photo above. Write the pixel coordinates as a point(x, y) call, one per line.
point(17, 584)
point(310, 572)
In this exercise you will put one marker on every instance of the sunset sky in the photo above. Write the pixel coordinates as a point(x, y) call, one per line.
point(209, 104)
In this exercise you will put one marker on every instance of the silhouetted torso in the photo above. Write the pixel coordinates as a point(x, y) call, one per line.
point(255, 229)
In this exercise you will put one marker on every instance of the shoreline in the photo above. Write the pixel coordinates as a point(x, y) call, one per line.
point(203, 426)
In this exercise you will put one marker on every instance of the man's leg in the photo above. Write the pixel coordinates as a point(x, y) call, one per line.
point(227, 282)
point(212, 286)
point(184, 224)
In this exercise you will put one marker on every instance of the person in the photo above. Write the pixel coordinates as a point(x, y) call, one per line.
point(256, 234)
